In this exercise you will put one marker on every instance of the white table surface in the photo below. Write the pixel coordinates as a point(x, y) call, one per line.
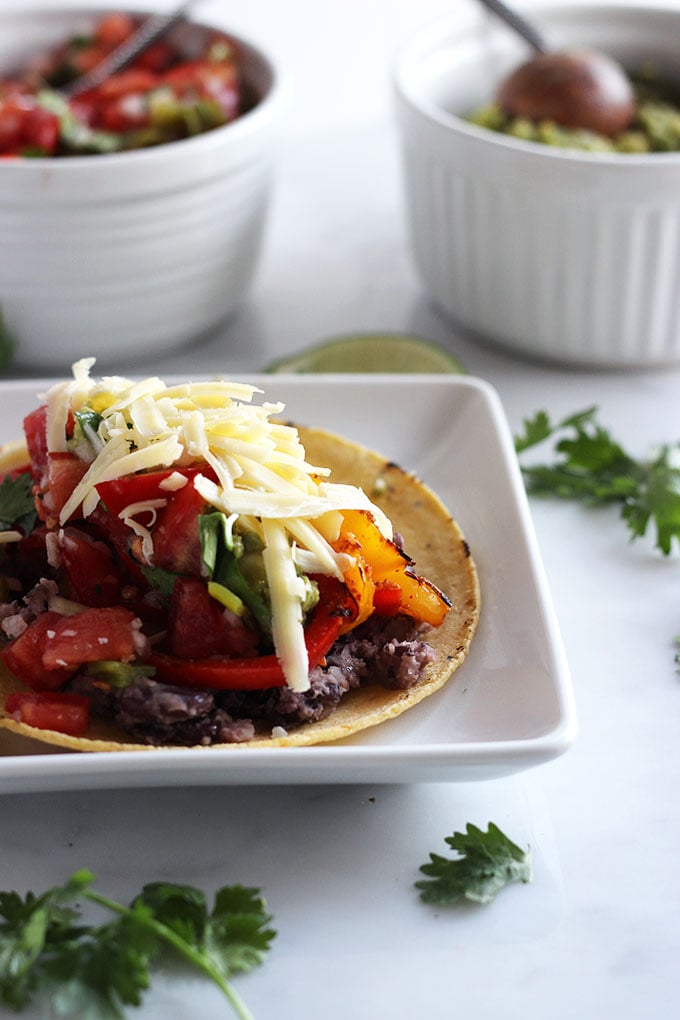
point(597, 931)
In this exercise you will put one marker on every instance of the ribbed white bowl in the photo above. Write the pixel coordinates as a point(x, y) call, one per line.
point(130, 254)
point(568, 256)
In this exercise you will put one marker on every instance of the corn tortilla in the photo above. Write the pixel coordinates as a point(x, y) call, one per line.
point(431, 537)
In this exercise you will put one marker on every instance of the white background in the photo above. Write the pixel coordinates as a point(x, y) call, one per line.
point(597, 931)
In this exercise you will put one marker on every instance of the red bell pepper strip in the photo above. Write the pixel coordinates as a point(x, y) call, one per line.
point(118, 493)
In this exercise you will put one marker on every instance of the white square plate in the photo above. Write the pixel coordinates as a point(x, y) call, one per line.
point(510, 705)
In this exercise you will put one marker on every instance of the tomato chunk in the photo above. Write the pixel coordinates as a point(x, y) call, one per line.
point(105, 633)
point(90, 568)
point(36, 439)
point(199, 627)
point(176, 538)
point(65, 713)
point(23, 656)
point(63, 472)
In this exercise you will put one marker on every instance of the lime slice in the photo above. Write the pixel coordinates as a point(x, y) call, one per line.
point(371, 352)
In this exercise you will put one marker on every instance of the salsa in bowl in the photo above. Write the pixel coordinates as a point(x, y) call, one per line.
point(130, 248)
point(185, 83)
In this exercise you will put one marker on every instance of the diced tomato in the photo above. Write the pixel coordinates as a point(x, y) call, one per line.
point(176, 538)
point(65, 713)
point(113, 530)
point(156, 57)
point(64, 472)
point(86, 58)
point(121, 115)
point(23, 656)
point(40, 131)
point(11, 122)
point(134, 79)
point(104, 633)
point(90, 568)
point(35, 430)
point(199, 627)
point(113, 29)
point(29, 556)
point(209, 79)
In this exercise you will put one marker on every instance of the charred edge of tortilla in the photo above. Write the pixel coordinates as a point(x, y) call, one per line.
point(441, 553)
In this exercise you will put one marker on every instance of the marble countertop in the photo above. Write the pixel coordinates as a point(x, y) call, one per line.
point(596, 931)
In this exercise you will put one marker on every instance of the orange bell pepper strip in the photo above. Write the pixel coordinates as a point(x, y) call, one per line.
point(382, 566)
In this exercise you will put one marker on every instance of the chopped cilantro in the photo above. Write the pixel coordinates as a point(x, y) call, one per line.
point(486, 862)
point(220, 550)
point(595, 469)
point(17, 506)
point(162, 580)
point(73, 132)
point(93, 971)
point(88, 420)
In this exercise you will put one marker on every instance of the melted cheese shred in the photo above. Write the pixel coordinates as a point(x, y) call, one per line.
point(261, 475)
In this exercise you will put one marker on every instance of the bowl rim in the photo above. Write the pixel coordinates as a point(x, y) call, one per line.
point(438, 31)
point(243, 125)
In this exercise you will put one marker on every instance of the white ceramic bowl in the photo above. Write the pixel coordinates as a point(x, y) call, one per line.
point(566, 256)
point(130, 254)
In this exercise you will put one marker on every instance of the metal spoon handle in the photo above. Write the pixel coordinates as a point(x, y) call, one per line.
point(148, 32)
point(519, 23)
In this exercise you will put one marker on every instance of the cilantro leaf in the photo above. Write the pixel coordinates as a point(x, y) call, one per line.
point(486, 862)
point(17, 506)
point(222, 565)
point(593, 467)
point(238, 935)
point(94, 972)
point(162, 580)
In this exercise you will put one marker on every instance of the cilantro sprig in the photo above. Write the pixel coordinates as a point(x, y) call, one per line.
point(594, 468)
point(94, 971)
point(485, 862)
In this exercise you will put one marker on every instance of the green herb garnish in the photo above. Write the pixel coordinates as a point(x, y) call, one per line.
point(595, 469)
point(94, 971)
point(486, 862)
point(222, 553)
point(17, 505)
point(162, 580)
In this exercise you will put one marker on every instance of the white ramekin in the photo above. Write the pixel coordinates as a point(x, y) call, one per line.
point(562, 255)
point(135, 253)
